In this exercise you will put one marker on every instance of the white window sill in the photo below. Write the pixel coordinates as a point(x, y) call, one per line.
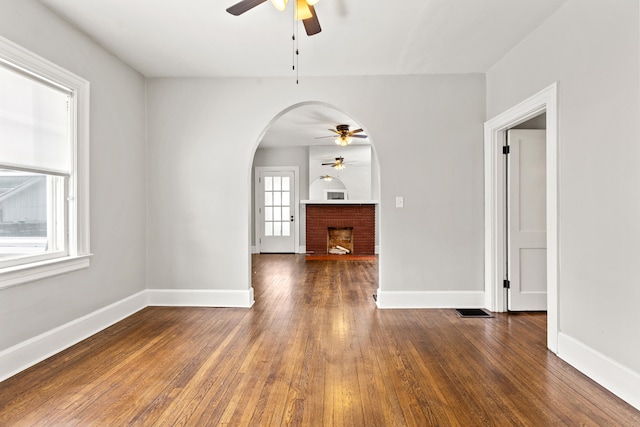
point(13, 276)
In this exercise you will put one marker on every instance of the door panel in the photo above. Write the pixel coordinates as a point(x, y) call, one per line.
point(276, 211)
point(527, 229)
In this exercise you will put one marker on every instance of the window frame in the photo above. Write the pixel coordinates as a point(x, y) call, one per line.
point(77, 220)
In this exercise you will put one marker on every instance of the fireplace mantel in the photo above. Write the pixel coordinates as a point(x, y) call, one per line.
point(339, 202)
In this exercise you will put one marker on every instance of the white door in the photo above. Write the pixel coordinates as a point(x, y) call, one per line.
point(276, 213)
point(527, 225)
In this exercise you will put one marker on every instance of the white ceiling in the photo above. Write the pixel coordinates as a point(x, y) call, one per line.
point(178, 38)
point(198, 38)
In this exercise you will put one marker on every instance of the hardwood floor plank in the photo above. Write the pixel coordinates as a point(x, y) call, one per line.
point(313, 350)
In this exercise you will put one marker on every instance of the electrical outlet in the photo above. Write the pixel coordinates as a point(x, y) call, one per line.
point(399, 202)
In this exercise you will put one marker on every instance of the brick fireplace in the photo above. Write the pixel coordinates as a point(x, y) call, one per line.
point(360, 219)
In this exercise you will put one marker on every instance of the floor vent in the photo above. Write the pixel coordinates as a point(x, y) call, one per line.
point(472, 312)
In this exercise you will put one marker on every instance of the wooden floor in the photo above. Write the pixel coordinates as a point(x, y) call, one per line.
point(313, 351)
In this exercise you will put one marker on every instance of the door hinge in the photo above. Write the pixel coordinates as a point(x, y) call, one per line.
point(505, 149)
point(506, 284)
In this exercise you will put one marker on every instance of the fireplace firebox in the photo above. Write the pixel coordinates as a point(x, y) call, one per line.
point(340, 240)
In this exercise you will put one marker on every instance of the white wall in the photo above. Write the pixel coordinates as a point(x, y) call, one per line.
point(117, 180)
point(592, 49)
point(199, 233)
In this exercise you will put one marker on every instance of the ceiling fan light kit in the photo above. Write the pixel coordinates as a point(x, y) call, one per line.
point(343, 141)
point(280, 4)
point(302, 10)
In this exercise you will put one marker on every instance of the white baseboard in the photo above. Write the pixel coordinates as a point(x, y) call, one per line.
point(618, 379)
point(302, 249)
point(376, 250)
point(433, 299)
point(254, 249)
point(34, 350)
point(200, 298)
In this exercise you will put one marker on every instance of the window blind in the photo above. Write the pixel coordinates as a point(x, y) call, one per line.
point(34, 123)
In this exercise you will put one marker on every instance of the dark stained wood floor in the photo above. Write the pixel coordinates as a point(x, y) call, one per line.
point(313, 351)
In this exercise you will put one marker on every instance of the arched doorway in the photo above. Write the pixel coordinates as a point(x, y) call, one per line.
point(298, 146)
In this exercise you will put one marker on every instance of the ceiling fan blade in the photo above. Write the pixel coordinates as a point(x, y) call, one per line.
point(328, 164)
point(359, 136)
point(243, 6)
point(335, 131)
point(320, 137)
point(356, 131)
point(312, 25)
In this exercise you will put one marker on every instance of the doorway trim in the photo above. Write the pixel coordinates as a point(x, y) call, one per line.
point(495, 203)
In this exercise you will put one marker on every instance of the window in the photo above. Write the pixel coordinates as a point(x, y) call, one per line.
point(43, 168)
point(32, 212)
point(277, 206)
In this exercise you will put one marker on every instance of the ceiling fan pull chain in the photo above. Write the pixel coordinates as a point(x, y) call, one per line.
point(297, 24)
point(294, 38)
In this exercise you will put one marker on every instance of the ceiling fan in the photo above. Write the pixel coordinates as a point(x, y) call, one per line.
point(339, 163)
point(345, 136)
point(304, 11)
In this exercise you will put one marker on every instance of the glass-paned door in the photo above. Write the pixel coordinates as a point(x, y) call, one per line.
point(277, 212)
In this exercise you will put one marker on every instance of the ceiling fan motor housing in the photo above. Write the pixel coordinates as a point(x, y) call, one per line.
point(342, 128)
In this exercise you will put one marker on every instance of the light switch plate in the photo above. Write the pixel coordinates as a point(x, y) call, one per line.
point(399, 202)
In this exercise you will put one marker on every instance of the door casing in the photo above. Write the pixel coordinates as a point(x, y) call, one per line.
point(495, 203)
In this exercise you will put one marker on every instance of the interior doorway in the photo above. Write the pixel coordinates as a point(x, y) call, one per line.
point(306, 138)
point(496, 219)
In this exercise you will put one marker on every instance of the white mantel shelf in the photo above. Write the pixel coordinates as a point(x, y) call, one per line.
point(339, 202)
